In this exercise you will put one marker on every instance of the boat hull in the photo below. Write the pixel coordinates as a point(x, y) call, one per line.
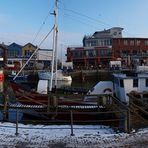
point(29, 97)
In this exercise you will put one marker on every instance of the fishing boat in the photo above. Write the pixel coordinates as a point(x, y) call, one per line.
point(132, 82)
point(124, 83)
point(26, 94)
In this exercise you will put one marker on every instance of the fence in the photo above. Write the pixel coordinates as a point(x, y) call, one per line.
point(115, 119)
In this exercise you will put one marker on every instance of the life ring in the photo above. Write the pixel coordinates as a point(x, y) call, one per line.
point(107, 90)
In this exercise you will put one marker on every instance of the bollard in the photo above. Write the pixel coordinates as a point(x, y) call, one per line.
point(16, 133)
point(71, 121)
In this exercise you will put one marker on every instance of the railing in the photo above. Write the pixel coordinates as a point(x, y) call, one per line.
point(136, 55)
point(70, 115)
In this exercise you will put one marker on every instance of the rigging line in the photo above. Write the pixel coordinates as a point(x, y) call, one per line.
point(88, 17)
point(42, 25)
point(126, 32)
point(74, 18)
point(46, 36)
point(34, 52)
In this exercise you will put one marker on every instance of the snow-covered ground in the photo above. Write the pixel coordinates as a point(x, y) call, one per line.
point(59, 136)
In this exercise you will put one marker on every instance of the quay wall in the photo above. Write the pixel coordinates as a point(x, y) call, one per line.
point(85, 75)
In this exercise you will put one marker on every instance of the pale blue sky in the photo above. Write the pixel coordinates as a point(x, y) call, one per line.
point(20, 20)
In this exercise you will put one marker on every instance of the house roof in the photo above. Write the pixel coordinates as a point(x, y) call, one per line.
point(29, 44)
point(15, 44)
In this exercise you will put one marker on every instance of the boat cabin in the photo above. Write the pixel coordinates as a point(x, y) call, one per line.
point(126, 83)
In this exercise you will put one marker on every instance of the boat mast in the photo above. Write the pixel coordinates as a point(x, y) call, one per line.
point(56, 41)
point(54, 53)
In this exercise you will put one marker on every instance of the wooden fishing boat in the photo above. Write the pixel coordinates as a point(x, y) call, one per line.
point(27, 95)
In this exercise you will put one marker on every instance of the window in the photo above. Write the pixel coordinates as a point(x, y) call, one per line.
point(125, 42)
point(121, 84)
point(135, 82)
point(91, 53)
point(146, 82)
point(88, 43)
point(116, 81)
point(146, 42)
point(75, 54)
point(138, 42)
point(102, 43)
point(115, 33)
point(132, 42)
point(105, 52)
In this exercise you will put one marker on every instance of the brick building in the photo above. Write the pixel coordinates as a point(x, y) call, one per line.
point(108, 45)
point(132, 51)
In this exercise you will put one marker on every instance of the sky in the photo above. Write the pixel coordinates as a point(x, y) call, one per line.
point(24, 21)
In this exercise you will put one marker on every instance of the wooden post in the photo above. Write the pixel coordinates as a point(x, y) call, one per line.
point(125, 122)
point(71, 121)
point(129, 115)
point(5, 113)
point(129, 120)
point(16, 133)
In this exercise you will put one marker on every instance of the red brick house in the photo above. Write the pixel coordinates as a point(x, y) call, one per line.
point(109, 45)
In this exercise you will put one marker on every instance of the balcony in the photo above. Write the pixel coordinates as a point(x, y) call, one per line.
point(138, 55)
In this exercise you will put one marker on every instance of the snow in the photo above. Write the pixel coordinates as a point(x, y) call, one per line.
point(59, 136)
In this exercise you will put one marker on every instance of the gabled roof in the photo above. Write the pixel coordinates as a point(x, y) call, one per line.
point(3, 46)
point(15, 45)
point(29, 44)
